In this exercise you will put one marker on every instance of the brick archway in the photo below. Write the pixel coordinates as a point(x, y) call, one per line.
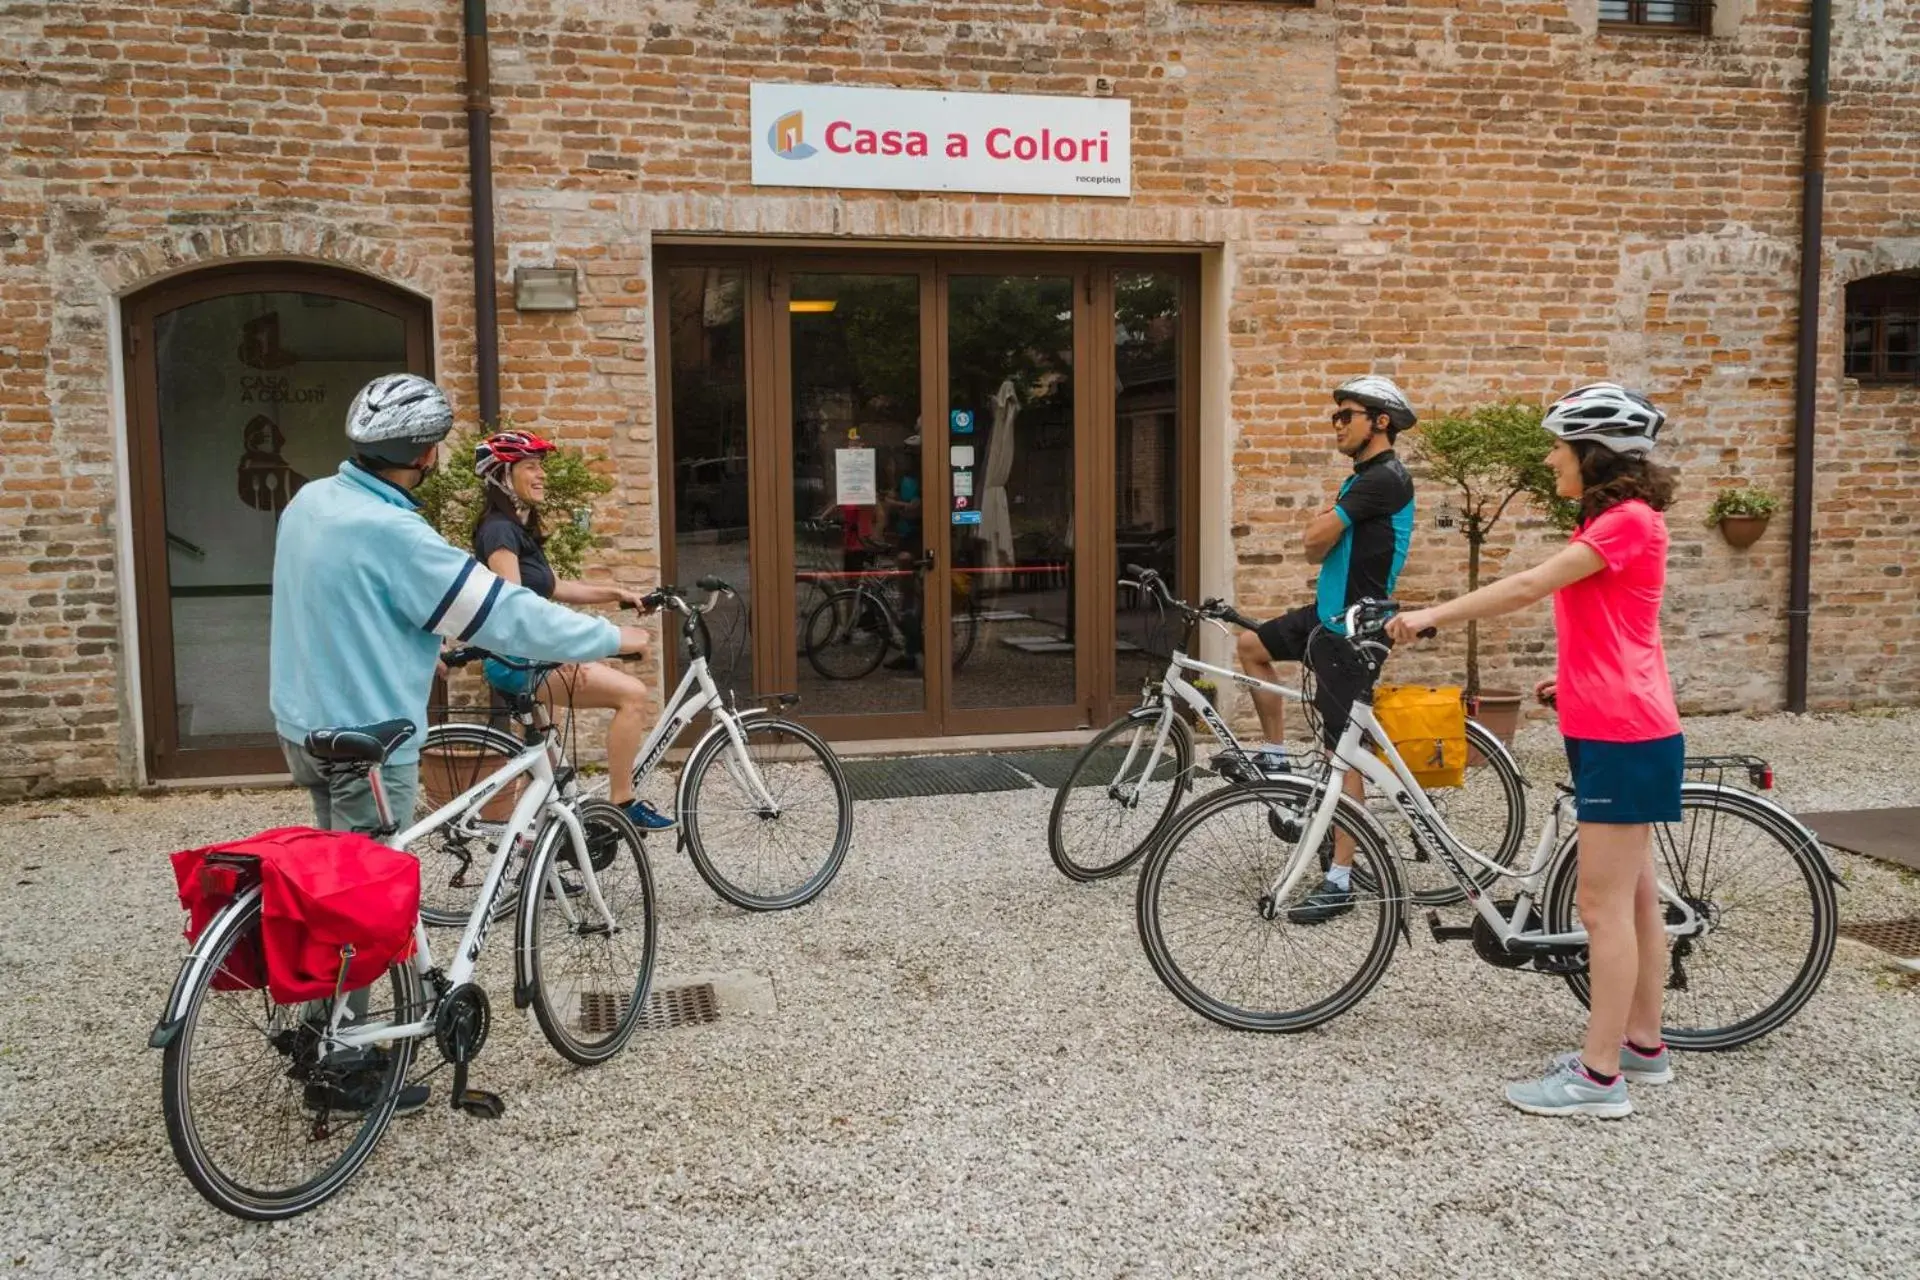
point(236, 374)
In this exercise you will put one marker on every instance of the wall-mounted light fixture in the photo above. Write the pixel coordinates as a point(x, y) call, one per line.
point(812, 306)
point(546, 289)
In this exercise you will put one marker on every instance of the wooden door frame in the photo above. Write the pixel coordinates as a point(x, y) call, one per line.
point(768, 269)
point(153, 602)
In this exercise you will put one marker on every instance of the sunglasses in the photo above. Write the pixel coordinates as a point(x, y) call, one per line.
point(1341, 417)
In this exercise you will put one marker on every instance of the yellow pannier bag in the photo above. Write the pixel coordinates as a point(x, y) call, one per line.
point(1429, 729)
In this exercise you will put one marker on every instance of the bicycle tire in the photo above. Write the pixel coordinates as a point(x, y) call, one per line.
point(848, 635)
point(1139, 727)
point(1692, 960)
point(454, 857)
point(280, 1087)
point(966, 632)
point(701, 815)
point(588, 1025)
point(1260, 834)
point(1458, 810)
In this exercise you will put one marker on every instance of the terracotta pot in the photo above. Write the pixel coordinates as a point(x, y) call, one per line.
point(1498, 711)
point(1742, 531)
point(447, 771)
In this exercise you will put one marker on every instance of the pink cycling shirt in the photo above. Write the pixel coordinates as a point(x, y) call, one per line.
point(1612, 679)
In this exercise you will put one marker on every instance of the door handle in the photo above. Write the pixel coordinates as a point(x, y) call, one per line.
point(925, 562)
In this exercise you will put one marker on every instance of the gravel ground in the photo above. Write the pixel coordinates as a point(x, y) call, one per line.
point(971, 1068)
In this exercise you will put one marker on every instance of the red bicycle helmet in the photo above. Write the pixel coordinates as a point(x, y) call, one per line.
point(498, 452)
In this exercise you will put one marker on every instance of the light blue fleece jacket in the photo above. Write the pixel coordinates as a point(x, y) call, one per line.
point(363, 590)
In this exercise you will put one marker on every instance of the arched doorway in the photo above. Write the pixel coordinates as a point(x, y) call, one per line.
point(238, 380)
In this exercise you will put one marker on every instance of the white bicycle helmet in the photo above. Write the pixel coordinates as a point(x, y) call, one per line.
point(1379, 395)
point(396, 417)
point(1607, 414)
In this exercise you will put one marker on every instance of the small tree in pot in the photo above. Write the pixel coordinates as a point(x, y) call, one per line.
point(1489, 456)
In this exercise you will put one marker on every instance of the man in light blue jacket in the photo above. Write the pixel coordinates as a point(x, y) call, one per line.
point(364, 589)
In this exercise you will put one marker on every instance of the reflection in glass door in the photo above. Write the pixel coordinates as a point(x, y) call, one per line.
point(1010, 500)
point(251, 389)
point(860, 549)
point(1148, 367)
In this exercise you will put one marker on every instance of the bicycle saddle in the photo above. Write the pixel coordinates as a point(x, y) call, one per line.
point(365, 743)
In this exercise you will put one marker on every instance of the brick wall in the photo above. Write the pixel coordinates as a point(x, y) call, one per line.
point(1481, 197)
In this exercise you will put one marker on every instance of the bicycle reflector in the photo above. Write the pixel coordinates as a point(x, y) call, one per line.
point(217, 881)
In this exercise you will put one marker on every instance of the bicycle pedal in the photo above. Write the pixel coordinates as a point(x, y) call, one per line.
point(1446, 932)
point(1559, 966)
point(478, 1102)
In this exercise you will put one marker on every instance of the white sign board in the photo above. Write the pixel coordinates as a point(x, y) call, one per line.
point(854, 478)
point(811, 135)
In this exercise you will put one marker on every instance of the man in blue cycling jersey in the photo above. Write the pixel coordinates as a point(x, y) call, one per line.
point(1360, 544)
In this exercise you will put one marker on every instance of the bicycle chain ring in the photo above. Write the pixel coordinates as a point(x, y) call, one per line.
point(461, 1025)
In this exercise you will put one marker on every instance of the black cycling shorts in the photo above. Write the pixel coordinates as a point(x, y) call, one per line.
point(1285, 637)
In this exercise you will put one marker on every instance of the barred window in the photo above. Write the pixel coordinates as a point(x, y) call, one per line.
point(1883, 328)
point(1658, 15)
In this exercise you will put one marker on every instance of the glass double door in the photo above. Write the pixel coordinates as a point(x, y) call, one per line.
point(946, 463)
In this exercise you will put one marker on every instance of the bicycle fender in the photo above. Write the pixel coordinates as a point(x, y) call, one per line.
point(196, 962)
point(1793, 825)
point(564, 823)
point(716, 729)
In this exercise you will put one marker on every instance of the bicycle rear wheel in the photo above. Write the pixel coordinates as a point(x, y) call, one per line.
point(756, 857)
point(1231, 955)
point(847, 635)
point(262, 1127)
point(1120, 797)
point(1761, 883)
point(591, 969)
point(454, 856)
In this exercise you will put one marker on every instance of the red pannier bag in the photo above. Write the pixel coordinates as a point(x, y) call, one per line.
point(321, 892)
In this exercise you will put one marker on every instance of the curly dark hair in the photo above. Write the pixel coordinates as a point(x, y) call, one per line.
point(1608, 479)
point(498, 500)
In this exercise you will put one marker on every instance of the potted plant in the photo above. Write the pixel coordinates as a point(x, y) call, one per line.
point(1489, 456)
point(1742, 514)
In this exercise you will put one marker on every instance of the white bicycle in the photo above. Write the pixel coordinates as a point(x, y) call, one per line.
point(273, 1108)
point(1748, 891)
point(1126, 787)
point(764, 809)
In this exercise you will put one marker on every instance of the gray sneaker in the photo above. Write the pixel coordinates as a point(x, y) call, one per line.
point(1322, 905)
point(1635, 1068)
point(1567, 1090)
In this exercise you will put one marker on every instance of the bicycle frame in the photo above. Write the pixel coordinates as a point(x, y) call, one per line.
point(1431, 833)
point(697, 693)
point(1174, 682)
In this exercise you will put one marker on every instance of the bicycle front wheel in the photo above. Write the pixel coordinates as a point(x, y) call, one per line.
point(1121, 795)
point(262, 1125)
point(847, 635)
point(1758, 879)
point(1230, 953)
point(760, 856)
point(590, 959)
point(455, 855)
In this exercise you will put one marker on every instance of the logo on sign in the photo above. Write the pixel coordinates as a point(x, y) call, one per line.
point(960, 502)
point(962, 420)
point(788, 137)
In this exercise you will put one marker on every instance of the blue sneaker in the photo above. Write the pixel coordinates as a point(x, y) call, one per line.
point(1568, 1090)
point(646, 817)
point(1635, 1067)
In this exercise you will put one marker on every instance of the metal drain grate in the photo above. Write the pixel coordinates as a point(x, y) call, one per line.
point(667, 1008)
point(1897, 937)
point(897, 777)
